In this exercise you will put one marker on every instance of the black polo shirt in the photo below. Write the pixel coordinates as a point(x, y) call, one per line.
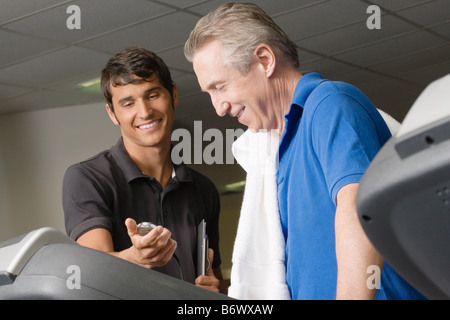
point(105, 190)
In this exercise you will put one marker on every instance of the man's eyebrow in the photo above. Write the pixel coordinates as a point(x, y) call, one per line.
point(145, 92)
point(152, 89)
point(125, 99)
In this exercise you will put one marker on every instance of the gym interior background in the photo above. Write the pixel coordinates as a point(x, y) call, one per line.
point(52, 113)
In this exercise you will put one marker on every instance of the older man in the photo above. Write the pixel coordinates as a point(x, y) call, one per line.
point(329, 134)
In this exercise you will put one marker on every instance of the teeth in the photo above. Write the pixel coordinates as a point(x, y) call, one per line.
point(148, 126)
point(241, 113)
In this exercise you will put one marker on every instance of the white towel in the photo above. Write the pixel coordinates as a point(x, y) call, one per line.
point(392, 124)
point(258, 270)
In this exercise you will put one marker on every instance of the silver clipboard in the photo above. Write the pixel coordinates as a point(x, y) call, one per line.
point(202, 249)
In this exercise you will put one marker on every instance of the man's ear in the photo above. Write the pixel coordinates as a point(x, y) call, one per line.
point(266, 57)
point(112, 115)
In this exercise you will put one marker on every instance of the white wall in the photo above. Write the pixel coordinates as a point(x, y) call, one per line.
point(5, 212)
point(35, 150)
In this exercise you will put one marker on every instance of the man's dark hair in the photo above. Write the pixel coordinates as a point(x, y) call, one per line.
point(134, 62)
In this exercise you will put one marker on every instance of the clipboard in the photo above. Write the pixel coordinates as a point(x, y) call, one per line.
point(202, 249)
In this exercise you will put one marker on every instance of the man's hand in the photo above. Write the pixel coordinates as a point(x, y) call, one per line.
point(155, 249)
point(210, 281)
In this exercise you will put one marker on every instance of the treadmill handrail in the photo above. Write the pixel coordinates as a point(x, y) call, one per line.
point(14, 257)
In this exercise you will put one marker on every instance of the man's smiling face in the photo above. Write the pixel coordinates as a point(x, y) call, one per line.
point(243, 96)
point(144, 111)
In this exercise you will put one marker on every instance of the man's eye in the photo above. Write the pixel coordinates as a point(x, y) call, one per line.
point(221, 88)
point(153, 96)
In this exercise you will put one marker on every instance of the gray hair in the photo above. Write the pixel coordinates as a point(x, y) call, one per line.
point(241, 27)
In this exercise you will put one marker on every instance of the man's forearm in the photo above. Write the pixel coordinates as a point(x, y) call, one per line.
point(354, 252)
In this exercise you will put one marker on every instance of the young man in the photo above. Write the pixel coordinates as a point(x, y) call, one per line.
point(329, 133)
point(135, 181)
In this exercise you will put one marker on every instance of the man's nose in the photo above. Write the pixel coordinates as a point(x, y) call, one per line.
point(222, 107)
point(144, 109)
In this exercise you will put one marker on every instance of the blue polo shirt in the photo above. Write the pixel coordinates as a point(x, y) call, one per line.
point(332, 133)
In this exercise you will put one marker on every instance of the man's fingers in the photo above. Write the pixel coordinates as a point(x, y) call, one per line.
point(166, 253)
point(209, 270)
point(131, 227)
point(209, 281)
point(159, 256)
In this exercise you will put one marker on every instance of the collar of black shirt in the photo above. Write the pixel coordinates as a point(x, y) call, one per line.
point(132, 171)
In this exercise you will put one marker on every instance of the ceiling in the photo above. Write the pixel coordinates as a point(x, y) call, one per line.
point(42, 61)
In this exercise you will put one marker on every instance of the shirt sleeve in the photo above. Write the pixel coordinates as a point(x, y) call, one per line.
point(345, 139)
point(84, 202)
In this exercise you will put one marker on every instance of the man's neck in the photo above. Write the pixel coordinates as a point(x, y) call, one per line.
point(153, 161)
point(285, 83)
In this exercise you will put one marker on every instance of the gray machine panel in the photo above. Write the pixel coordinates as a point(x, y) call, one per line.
point(63, 270)
point(404, 198)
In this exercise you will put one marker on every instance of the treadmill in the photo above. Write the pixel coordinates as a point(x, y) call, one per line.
point(403, 200)
point(45, 264)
